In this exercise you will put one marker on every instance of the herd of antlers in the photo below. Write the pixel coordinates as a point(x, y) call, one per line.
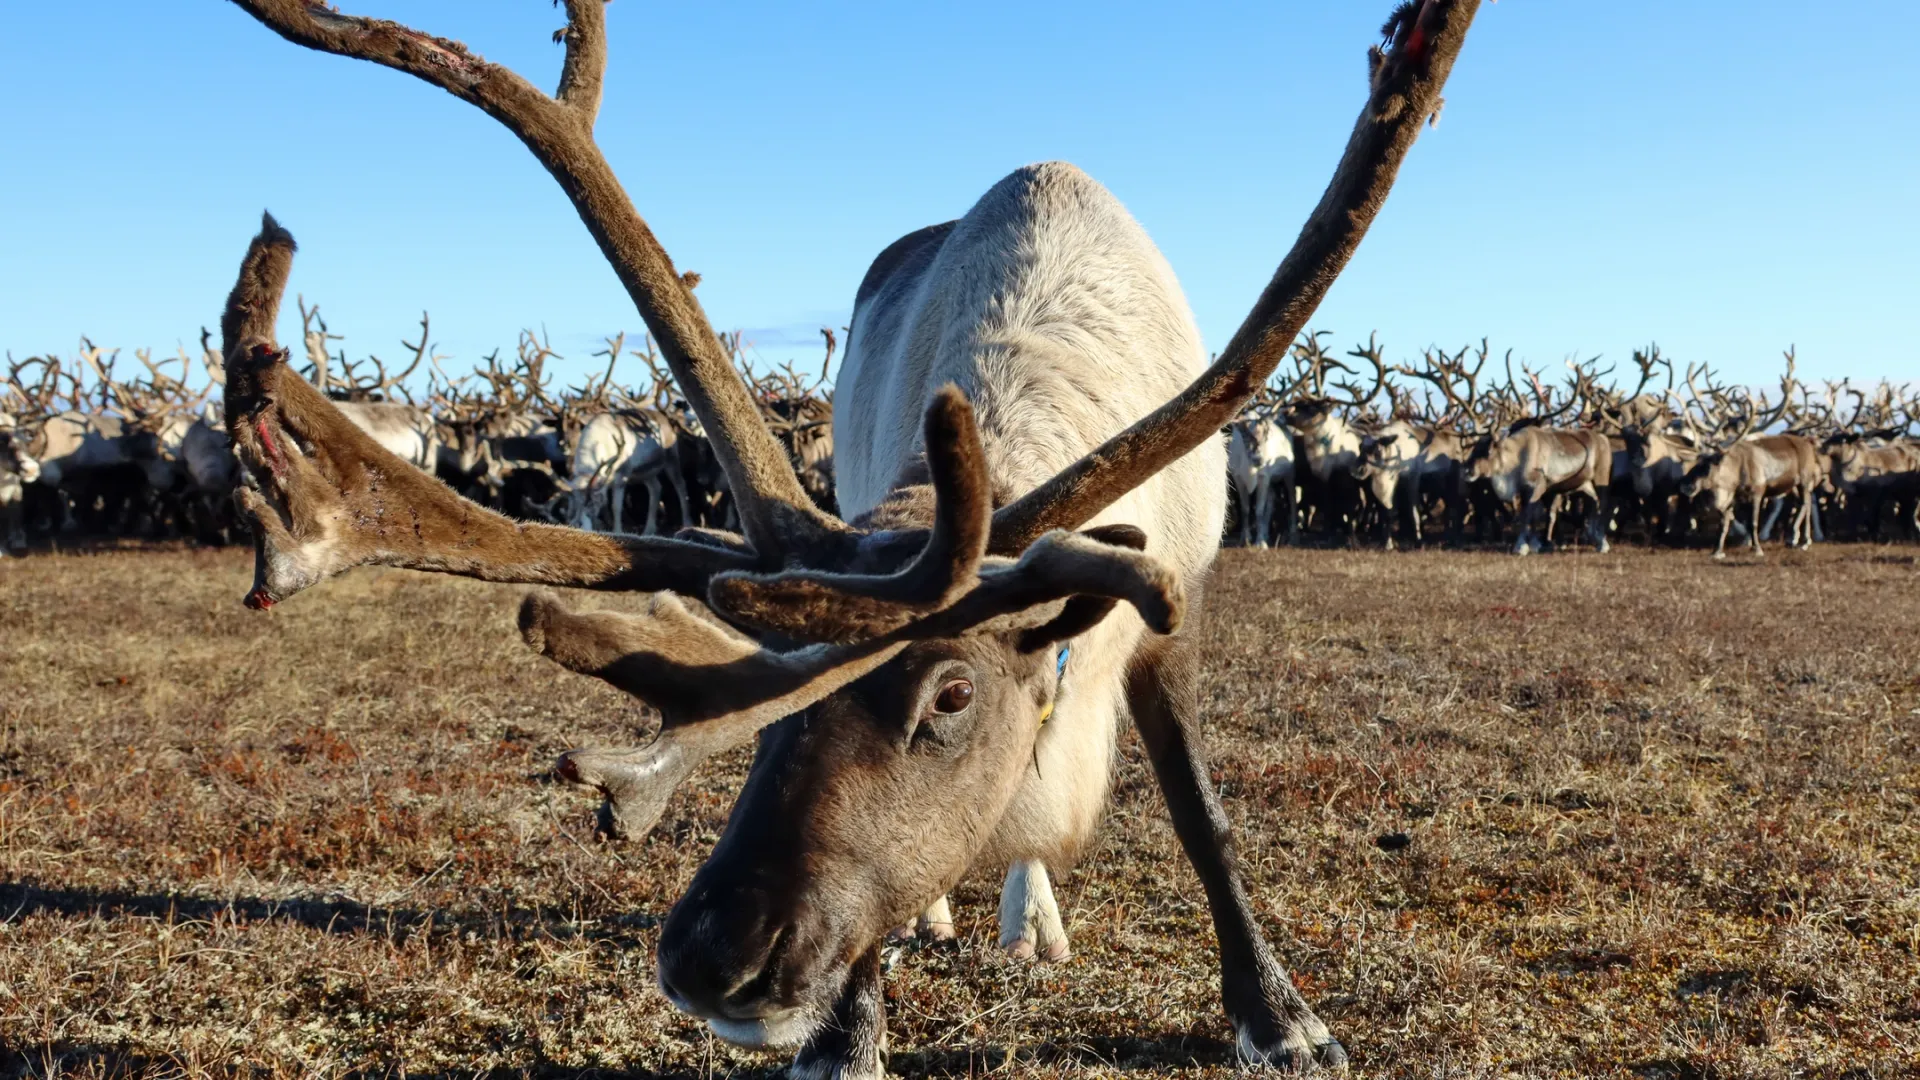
point(1455, 390)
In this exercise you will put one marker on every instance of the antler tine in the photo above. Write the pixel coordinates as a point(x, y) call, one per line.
point(211, 359)
point(1371, 352)
point(1859, 405)
point(826, 364)
point(315, 342)
point(420, 351)
point(604, 390)
point(1648, 360)
point(111, 393)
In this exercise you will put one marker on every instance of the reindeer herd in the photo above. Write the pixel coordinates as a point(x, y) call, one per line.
point(87, 451)
point(1463, 454)
point(1502, 452)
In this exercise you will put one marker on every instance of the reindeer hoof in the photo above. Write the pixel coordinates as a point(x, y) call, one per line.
point(1301, 1047)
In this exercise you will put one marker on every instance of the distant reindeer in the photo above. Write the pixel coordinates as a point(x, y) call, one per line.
point(1741, 465)
point(1329, 442)
point(406, 429)
point(1260, 465)
point(936, 679)
point(1538, 465)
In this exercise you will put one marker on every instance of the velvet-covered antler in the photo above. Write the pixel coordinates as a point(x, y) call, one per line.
point(325, 496)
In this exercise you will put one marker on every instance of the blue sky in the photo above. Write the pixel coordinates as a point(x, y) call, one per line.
point(1723, 178)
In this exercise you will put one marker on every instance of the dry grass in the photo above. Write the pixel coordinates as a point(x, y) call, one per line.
point(1660, 813)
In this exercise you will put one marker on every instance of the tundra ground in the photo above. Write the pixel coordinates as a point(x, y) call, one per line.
point(1640, 815)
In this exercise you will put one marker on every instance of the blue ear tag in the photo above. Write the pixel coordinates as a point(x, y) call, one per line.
point(1060, 675)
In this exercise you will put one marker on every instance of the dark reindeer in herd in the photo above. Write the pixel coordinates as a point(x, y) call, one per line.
point(1024, 465)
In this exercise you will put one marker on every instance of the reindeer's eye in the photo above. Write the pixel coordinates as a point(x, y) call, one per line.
point(954, 697)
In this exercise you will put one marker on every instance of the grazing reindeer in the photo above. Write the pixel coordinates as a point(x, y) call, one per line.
point(905, 669)
point(615, 449)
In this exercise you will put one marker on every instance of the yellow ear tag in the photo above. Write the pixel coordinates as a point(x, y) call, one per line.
point(1046, 713)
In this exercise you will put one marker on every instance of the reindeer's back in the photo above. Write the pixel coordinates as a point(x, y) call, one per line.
point(1050, 307)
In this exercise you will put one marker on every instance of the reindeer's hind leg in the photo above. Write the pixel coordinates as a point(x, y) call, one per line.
point(1029, 917)
point(852, 1044)
point(1753, 538)
point(1274, 1024)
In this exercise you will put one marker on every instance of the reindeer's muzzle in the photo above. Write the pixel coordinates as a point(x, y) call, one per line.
point(748, 964)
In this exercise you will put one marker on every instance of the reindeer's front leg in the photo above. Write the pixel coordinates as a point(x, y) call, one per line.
point(1529, 511)
point(853, 1043)
point(1753, 537)
point(1274, 1023)
point(1029, 916)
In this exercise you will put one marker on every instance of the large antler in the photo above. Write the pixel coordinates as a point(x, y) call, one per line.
point(775, 513)
point(327, 497)
point(1406, 74)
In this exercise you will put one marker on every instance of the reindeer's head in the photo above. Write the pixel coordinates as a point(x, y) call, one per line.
point(15, 462)
point(1383, 457)
point(1853, 457)
point(913, 674)
point(1703, 479)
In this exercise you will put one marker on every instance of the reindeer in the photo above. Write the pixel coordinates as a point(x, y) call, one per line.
point(615, 449)
point(1756, 468)
point(1538, 464)
point(1330, 442)
point(17, 469)
point(936, 679)
point(86, 460)
point(1259, 464)
point(509, 441)
point(1402, 457)
point(1871, 471)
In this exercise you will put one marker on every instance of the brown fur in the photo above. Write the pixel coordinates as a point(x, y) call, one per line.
point(1756, 469)
point(1539, 465)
